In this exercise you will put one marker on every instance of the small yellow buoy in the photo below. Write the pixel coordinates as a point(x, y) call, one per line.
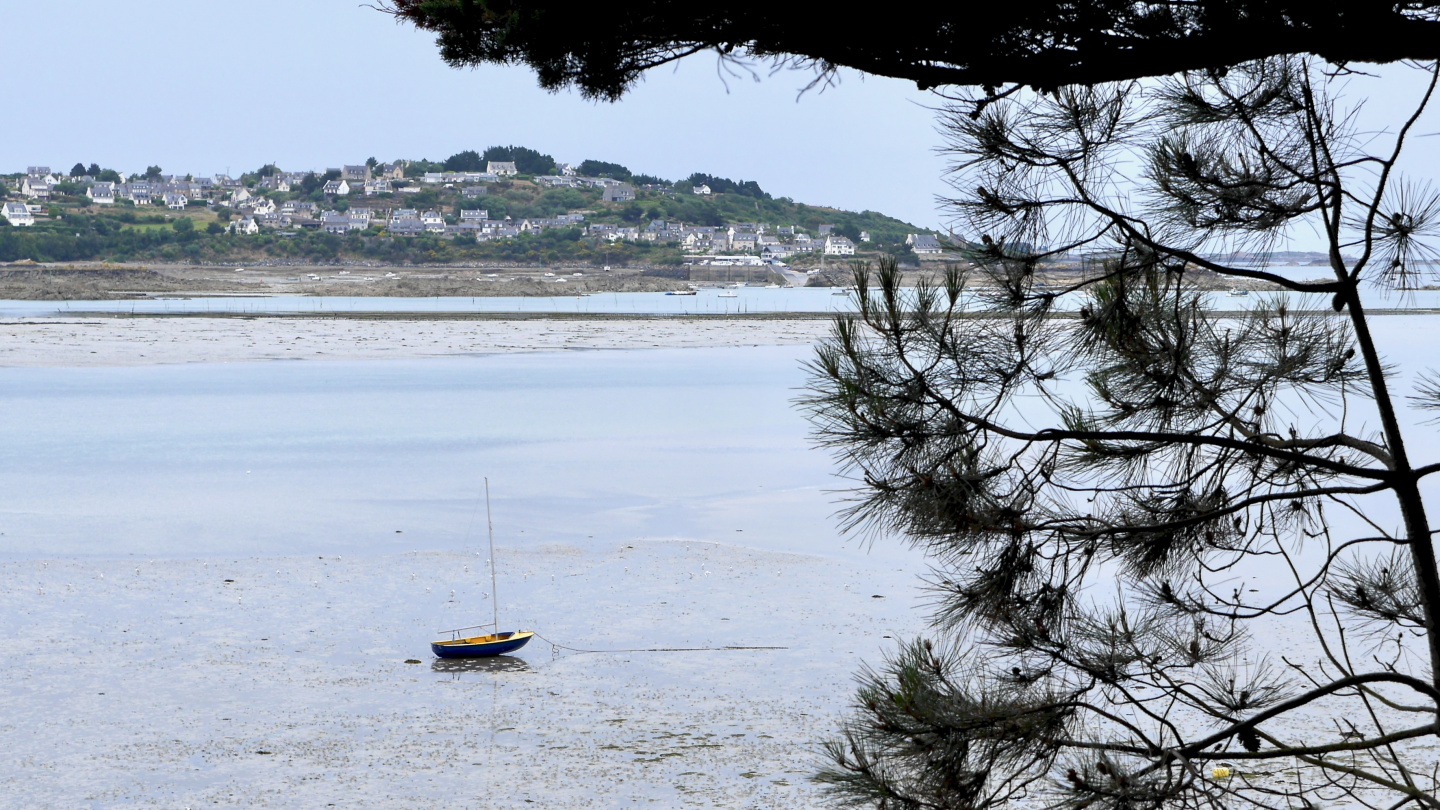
point(1220, 772)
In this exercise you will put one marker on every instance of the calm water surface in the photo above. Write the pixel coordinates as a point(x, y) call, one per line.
point(279, 457)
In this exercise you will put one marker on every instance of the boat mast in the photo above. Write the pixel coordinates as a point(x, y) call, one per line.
point(494, 596)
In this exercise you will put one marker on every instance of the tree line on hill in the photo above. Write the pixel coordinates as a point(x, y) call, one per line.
point(533, 162)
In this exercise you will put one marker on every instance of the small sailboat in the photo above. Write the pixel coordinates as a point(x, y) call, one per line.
point(1239, 292)
point(495, 643)
point(480, 646)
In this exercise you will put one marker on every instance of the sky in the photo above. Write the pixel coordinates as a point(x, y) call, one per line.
point(226, 87)
point(206, 88)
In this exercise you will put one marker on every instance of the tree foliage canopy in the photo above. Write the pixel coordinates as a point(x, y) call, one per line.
point(526, 160)
point(602, 168)
point(1164, 537)
point(724, 185)
point(604, 49)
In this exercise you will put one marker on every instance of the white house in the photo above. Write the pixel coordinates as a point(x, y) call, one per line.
point(261, 205)
point(502, 168)
point(433, 221)
point(245, 226)
point(17, 214)
point(101, 193)
point(175, 201)
point(337, 188)
point(923, 244)
point(239, 195)
point(700, 189)
point(36, 187)
point(473, 214)
point(839, 246)
point(373, 187)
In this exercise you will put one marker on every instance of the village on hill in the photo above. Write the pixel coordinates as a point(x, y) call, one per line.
point(508, 204)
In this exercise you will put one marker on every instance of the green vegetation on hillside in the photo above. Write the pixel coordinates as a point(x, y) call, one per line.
point(75, 230)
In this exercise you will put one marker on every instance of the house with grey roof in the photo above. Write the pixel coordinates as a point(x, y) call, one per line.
point(35, 187)
point(619, 192)
point(836, 245)
point(137, 192)
point(924, 244)
point(176, 201)
point(101, 193)
point(16, 213)
point(336, 188)
point(406, 227)
point(359, 173)
point(747, 242)
point(501, 168)
point(342, 223)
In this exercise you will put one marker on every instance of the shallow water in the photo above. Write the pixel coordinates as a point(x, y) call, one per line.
point(268, 458)
point(239, 558)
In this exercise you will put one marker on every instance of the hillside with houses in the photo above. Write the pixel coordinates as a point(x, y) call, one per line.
point(508, 204)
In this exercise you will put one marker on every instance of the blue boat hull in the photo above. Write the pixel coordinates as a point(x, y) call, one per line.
point(481, 646)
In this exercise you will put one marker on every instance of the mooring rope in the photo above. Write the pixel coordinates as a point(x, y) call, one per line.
point(555, 646)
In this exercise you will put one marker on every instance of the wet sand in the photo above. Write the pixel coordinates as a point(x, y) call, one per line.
point(284, 682)
point(73, 342)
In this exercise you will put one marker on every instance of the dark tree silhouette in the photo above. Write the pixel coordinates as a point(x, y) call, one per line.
point(603, 50)
point(1165, 539)
point(465, 161)
point(601, 168)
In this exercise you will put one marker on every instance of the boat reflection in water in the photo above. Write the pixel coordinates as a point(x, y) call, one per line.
point(489, 665)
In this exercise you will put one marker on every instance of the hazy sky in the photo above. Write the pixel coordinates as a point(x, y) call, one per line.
point(229, 86)
point(208, 87)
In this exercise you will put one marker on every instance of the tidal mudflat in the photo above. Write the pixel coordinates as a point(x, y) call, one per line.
point(282, 682)
point(213, 575)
